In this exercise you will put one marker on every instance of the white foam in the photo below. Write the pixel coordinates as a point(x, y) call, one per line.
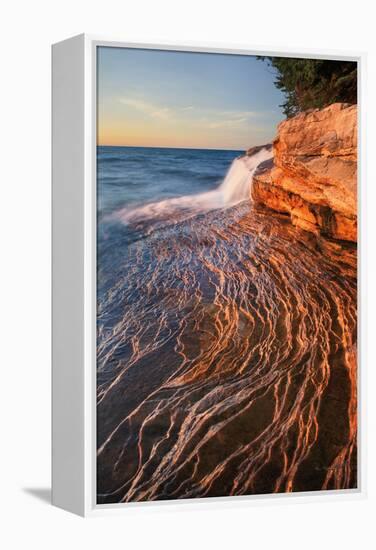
point(235, 188)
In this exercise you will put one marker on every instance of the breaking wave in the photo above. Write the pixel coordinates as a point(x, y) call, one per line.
point(235, 188)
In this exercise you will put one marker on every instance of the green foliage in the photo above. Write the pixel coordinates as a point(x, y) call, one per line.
point(313, 83)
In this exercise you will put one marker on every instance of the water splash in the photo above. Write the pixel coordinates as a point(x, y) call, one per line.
point(235, 188)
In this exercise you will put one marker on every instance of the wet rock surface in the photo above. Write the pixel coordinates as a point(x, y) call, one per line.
point(314, 172)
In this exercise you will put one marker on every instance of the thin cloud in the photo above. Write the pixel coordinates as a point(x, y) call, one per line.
point(155, 111)
point(227, 119)
point(247, 114)
point(210, 118)
point(228, 122)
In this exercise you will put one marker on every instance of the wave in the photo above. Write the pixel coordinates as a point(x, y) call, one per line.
point(235, 188)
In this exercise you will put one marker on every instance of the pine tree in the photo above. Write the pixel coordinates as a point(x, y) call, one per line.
point(313, 83)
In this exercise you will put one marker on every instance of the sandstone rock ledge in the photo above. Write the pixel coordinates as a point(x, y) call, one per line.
point(313, 177)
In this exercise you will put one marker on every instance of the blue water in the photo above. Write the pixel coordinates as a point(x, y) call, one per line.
point(132, 176)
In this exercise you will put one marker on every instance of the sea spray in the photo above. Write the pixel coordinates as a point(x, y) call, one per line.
point(237, 183)
point(234, 188)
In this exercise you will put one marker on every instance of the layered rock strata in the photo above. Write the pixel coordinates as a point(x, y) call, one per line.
point(313, 176)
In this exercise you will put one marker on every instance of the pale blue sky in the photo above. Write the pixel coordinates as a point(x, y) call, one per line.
point(180, 99)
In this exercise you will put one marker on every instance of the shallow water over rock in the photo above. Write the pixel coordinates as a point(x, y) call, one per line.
point(226, 360)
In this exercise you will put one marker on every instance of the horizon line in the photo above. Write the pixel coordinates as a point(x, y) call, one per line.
point(168, 147)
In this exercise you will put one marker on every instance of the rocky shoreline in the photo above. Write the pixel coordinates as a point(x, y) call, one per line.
point(313, 174)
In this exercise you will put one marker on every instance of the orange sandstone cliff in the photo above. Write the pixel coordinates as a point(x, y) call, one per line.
point(313, 176)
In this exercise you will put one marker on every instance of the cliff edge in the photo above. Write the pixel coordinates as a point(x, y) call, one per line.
point(313, 176)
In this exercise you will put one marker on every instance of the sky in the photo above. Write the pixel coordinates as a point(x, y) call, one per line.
point(155, 98)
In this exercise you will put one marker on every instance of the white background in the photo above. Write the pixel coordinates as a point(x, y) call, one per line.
point(27, 30)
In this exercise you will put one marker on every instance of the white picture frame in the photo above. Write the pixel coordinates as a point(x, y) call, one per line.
point(74, 277)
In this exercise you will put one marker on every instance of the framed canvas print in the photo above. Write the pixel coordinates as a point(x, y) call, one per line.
point(205, 284)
